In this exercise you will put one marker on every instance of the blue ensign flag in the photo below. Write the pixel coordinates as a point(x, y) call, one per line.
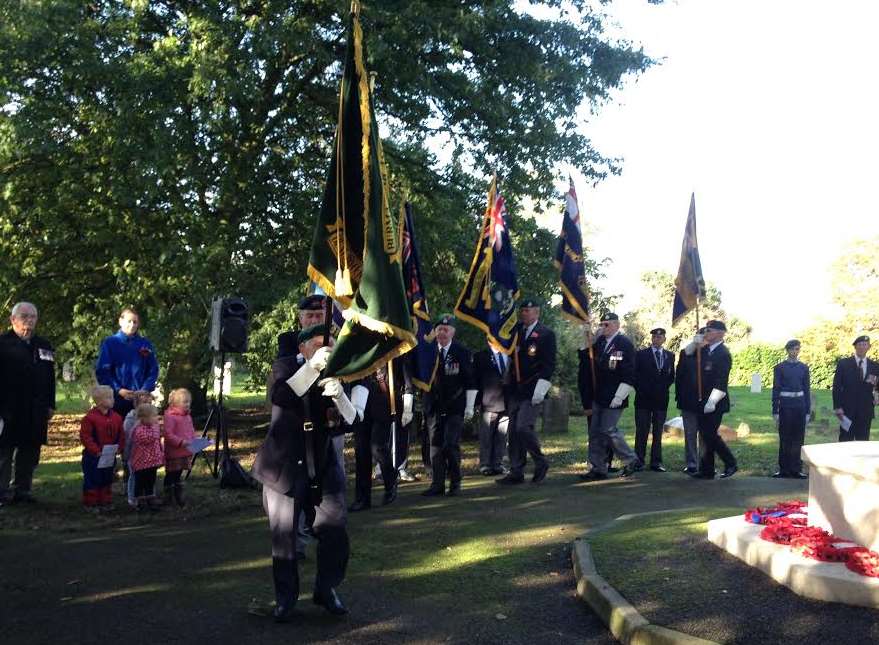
point(488, 299)
point(423, 357)
point(569, 260)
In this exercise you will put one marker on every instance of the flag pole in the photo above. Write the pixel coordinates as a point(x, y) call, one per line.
point(698, 355)
point(393, 403)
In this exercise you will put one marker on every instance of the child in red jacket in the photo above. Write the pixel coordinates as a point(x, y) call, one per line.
point(146, 456)
point(179, 433)
point(100, 427)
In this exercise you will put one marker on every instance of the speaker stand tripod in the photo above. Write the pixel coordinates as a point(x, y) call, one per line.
point(217, 419)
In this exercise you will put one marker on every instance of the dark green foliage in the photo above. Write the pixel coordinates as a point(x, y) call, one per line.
point(755, 358)
point(158, 154)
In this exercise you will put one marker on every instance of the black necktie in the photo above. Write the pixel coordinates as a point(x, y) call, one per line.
point(443, 355)
point(658, 355)
point(861, 367)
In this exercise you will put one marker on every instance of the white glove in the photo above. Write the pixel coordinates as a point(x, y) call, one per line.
point(303, 379)
point(319, 360)
point(713, 399)
point(540, 391)
point(623, 390)
point(690, 349)
point(406, 416)
point(333, 389)
point(775, 418)
point(469, 405)
point(359, 397)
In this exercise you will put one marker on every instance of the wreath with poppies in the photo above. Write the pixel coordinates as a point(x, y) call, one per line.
point(787, 523)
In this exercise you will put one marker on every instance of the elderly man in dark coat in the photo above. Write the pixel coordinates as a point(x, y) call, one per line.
point(27, 402)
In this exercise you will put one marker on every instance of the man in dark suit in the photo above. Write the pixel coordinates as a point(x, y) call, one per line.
point(491, 370)
point(533, 367)
point(450, 395)
point(716, 363)
point(687, 400)
point(654, 374)
point(614, 376)
point(301, 473)
point(854, 392)
point(27, 402)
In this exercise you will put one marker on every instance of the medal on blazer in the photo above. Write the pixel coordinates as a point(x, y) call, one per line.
point(613, 359)
point(452, 368)
point(532, 349)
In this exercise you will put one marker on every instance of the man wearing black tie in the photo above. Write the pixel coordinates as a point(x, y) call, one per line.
point(716, 363)
point(854, 392)
point(451, 395)
point(654, 374)
point(490, 371)
point(533, 367)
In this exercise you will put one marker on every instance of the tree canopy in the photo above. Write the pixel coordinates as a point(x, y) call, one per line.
point(157, 153)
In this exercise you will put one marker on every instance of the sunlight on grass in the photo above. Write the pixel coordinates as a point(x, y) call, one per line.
point(241, 565)
point(107, 595)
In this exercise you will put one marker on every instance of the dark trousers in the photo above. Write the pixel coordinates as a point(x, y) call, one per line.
point(444, 431)
point(25, 459)
point(522, 438)
point(493, 428)
point(712, 443)
point(145, 482)
point(328, 526)
point(371, 443)
point(791, 433)
point(649, 422)
point(859, 431)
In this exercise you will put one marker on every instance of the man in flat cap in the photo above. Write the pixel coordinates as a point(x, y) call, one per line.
point(715, 363)
point(791, 404)
point(451, 394)
point(854, 392)
point(614, 378)
point(654, 374)
point(533, 367)
point(312, 311)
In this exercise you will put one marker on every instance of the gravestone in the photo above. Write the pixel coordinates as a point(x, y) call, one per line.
point(556, 411)
point(756, 383)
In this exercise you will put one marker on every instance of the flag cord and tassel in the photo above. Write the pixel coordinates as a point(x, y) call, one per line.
point(342, 285)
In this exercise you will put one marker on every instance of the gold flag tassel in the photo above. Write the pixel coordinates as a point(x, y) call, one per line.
point(342, 284)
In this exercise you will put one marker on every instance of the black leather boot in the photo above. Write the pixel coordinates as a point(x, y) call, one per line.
point(330, 601)
point(286, 578)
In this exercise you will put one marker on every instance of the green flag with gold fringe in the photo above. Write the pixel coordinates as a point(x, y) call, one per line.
point(355, 254)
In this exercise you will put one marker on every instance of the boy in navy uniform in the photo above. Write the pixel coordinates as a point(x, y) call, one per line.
point(452, 393)
point(533, 367)
point(791, 403)
point(654, 374)
point(854, 391)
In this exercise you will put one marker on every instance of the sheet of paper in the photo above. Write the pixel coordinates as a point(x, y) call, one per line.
point(108, 455)
point(845, 424)
point(199, 444)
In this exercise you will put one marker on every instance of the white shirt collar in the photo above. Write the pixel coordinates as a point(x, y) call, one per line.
point(610, 340)
point(444, 347)
point(531, 328)
point(713, 346)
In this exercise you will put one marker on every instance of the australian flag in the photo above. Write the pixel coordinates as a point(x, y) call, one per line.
point(689, 284)
point(569, 260)
point(423, 357)
point(488, 299)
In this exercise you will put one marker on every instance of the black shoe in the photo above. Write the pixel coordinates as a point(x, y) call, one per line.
point(613, 469)
point(592, 476)
point(494, 472)
point(799, 476)
point(701, 475)
point(286, 579)
point(454, 490)
point(359, 505)
point(540, 473)
point(631, 468)
point(23, 498)
point(778, 475)
point(330, 601)
point(657, 468)
point(433, 492)
point(689, 470)
point(485, 471)
point(729, 471)
point(390, 496)
point(509, 480)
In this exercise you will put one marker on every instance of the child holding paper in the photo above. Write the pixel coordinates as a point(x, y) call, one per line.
point(146, 456)
point(128, 425)
point(100, 427)
point(179, 433)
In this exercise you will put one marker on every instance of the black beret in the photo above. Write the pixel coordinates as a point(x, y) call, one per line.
point(529, 302)
point(657, 331)
point(609, 316)
point(792, 343)
point(861, 339)
point(716, 325)
point(310, 332)
point(446, 319)
point(312, 302)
